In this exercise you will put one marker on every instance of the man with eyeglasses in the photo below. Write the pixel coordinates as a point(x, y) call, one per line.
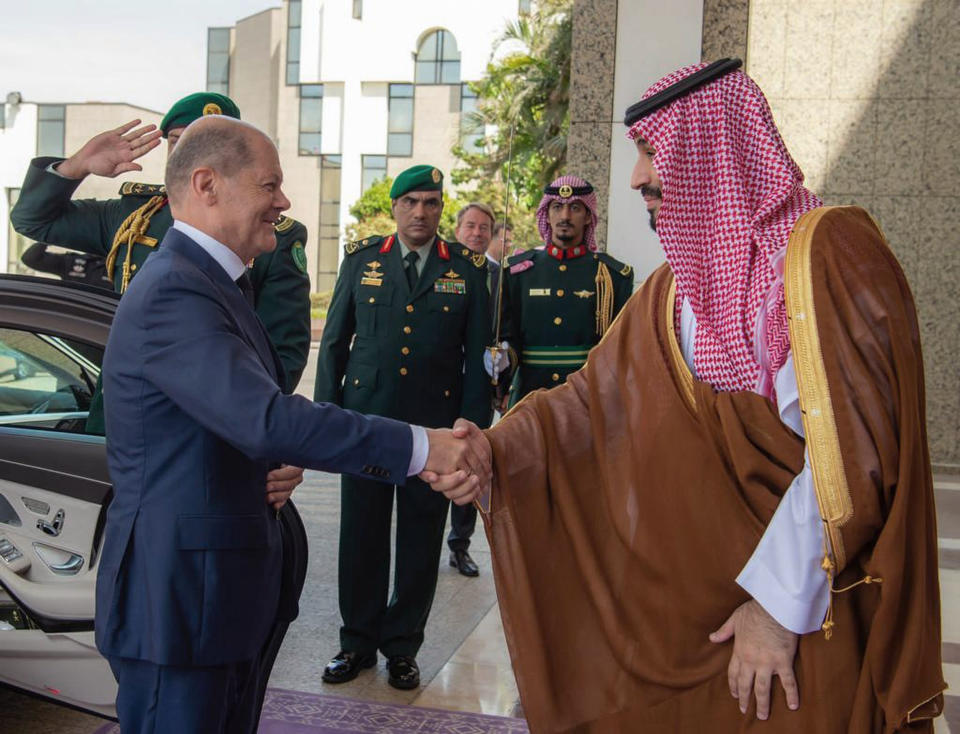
point(404, 338)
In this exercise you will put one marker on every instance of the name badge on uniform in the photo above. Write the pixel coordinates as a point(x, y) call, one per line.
point(539, 292)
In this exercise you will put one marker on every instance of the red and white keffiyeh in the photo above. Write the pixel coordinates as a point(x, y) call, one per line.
point(731, 195)
point(589, 201)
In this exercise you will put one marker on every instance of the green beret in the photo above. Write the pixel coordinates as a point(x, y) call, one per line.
point(417, 178)
point(194, 106)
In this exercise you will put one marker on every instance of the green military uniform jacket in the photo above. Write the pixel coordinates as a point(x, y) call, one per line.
point(549, 312)
point(416, 357)
point(45, 212)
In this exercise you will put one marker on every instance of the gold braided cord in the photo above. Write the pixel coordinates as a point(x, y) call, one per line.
point(132, 229)
point(604, 283)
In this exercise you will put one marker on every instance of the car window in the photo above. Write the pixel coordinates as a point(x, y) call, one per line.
point(46, 381)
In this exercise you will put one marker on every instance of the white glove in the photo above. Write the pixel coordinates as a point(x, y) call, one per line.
point(502, 361)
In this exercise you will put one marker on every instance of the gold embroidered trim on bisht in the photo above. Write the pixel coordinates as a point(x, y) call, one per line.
point(819, 423)
point(676, 354)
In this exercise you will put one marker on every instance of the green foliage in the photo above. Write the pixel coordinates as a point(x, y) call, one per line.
point(528, 90)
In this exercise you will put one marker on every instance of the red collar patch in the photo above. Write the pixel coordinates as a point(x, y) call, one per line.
point(387, 244)
point(567, 253)
point(442, 250)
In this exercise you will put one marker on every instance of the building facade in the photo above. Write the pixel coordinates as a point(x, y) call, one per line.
point(865, 94)
point(30, 129)
point(352, 90)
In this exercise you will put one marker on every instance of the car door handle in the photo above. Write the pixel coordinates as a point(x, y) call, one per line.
point(52, 528)
point(59, 560)
point(68, 568)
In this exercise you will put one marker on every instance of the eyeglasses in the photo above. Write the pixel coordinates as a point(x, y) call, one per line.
point(409, 203)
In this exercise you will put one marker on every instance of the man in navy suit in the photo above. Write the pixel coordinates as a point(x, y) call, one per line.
point(188, 584)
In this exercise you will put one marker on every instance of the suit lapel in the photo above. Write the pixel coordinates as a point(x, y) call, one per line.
point(432, 269)
point(238, 308)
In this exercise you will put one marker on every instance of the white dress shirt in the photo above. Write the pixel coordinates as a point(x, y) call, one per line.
point(784, 573)
point(234, 267)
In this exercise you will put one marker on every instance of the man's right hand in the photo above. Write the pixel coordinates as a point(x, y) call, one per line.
point(461, 459)
point(112, 152)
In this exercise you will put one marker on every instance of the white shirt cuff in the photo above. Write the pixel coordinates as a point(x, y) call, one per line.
point(421, 449)
point(784, 573)
point(54, 171)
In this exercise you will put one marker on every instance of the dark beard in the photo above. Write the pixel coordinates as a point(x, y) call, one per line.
point(655, 193)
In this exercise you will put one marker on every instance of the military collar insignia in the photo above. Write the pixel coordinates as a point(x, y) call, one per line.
point(567, 253)
point(442, 250)
point(387, 244)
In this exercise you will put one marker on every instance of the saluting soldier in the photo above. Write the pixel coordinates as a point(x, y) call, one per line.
point(559, 300)
point(416, 311)
point(127, 230)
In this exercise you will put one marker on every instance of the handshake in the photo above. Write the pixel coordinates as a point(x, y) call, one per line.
point(460, 462)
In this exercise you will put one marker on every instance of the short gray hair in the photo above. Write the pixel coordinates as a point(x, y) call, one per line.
point(476, 205)
point(222, 144)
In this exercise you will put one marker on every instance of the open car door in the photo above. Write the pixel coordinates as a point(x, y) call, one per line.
point(54, 488)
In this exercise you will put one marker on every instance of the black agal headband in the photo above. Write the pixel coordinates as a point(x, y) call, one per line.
point(566, 191)
point(686, 85)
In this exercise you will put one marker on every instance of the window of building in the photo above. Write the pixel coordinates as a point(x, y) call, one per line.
point(293, 41)
point(218, 60)
point(400, 123)
point(311, 118)
point(374, 168)
point(438, 61)
point(358, 9)
point(471, 131)
point(329, 206)
point(524, 6)
point(51, 125)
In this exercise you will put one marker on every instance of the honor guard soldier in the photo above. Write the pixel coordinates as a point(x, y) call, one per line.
point(127, 230)
point(559, 300)
point(404, 338)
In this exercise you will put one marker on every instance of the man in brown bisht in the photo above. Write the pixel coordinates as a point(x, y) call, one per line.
point(736, 487)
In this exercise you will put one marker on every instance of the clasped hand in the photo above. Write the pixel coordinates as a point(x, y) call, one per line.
point(460, 462)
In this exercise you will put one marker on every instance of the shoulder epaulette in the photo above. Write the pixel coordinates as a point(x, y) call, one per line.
point(478, 259)
point(130, 188)
point(284, 223)
point(352, 247)
point(521, 257)
point(615, 265)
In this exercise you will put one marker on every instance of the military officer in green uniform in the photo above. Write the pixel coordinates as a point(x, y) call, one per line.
point(560, 299)
point(127, 230)
point(415, 310)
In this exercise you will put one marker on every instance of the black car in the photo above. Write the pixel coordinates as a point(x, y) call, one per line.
point(55, 489)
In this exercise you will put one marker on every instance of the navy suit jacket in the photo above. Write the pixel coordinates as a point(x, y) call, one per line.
point(190, 568)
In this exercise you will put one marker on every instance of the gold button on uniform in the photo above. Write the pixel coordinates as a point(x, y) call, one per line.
point(356, 380)
point(407, 330)
point(403, 370)
point(555, 377)
point(558, 321)
point(405, 350)
point(446, 393)
point(133, 267)
point(560, 292)
point(562, 268)
point(409, 308)
point(372, 299)
point(446, 308)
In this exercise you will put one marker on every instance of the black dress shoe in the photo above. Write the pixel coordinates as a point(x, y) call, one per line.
point(404, 673)
point(347, 666)
point(462, 561)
